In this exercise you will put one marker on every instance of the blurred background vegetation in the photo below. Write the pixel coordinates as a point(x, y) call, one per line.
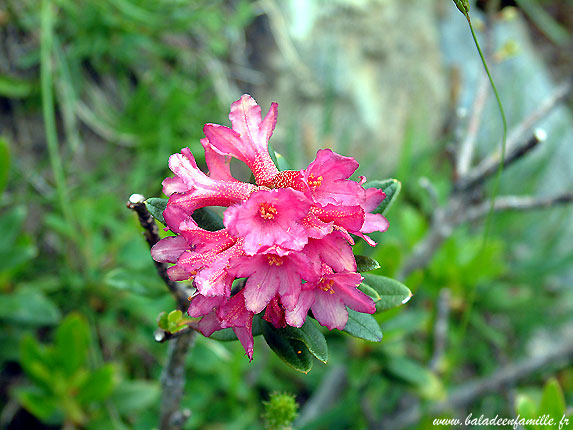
point(96, 94)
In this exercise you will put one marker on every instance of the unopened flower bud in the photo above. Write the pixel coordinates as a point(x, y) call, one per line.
point(463, 6)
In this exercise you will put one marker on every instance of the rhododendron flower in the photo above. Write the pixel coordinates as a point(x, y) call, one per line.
point(286, 245)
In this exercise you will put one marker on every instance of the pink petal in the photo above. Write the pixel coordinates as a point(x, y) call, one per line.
point(297, 316)
point(219, 165)
point(346, 289)
point(246, 119)
point(333, 250)
point(327, 182)
point(174, 185)
point(260, 288)
point(315, 228)
point(350, 218)
point(374, 222)
point(275, 314)
point(202, 305)
point(269, 218)
point(248, 141)
point(233, 312)
point(329, 311)
point(245, 336)
point(202, 189)
point(207, 325)
point(225, 140)
point(268, 125)
point(214, 279)
point(175, 215)
point(373, 198)
point(168, 249)
point(177, 273)
point(368, 240)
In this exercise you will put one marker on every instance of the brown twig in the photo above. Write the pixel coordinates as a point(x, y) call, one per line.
point(163, 336)
point(173, 374)
point(516, 203)
point(543, 109)
point(489, 166)
point(173, 383)
point(460, 206)
point(440, 328)
point(467, 147)
point(136, 203)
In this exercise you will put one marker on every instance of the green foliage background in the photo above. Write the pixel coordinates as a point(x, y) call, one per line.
point(132, 83)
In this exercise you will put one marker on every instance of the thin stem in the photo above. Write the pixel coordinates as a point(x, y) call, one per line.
point(47, 33)
point(471, 299)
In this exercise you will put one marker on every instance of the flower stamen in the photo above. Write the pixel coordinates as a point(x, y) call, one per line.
point(267, 211)
point(274, 260)
point(326, 285)
point(314, 183)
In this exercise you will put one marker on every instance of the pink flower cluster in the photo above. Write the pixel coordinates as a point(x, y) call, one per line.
point(289, 235)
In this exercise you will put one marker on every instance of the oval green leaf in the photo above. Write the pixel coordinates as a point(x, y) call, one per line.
point(387, 293)
point(293, 352)
point(208, 219)
point(310, 335)
point(156, 206)
point(552, 400)
point(365, 264)
point(363, 326)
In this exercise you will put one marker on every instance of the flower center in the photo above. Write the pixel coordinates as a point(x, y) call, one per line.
point(274, 260)
point(267, 211)
point(326, 285)
point(314, 183)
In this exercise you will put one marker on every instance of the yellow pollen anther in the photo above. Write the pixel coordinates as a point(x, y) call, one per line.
point(274, 260)
point(326, 285)
point(267, 211)
point(314, 183)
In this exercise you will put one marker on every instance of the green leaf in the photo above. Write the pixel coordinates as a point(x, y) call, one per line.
point(174, 317)
point(427, 383)
point(162, 321)
point(525, 406)
point(310, 335)
point(293, 352)
point(387, 293)
point(133, 396)
point(98, 385)
point(391, 188)
point(28, 307)
point(273, 155)
point(552, 400)
point(39, 403)
point(208, 219)
point(365, 264)
point(156, 206)
point(175, 321)
point(71, 343)
point(280, 162)
point(35, 359)
point(227, 334)
point(15, 88)
point(363, 326)
point(11, 223)
point(4, 163)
